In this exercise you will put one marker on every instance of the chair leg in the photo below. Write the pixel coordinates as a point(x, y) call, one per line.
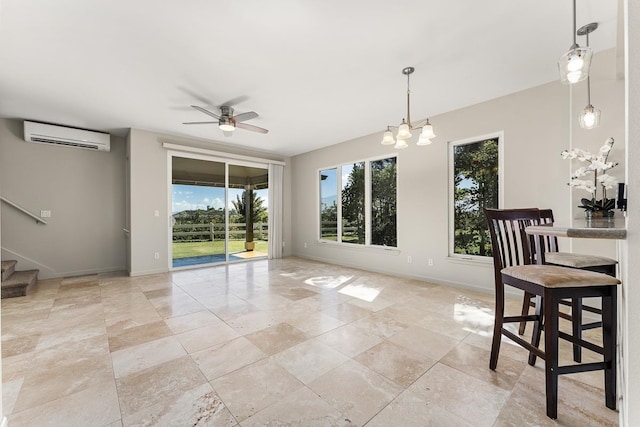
point(537, 328)
point(576, 325)
point(525, 311)
point(609, 332)
point(497, 329)
point(551, 325)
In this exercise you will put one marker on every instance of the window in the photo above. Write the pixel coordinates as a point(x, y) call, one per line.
point(474, 185)
point(345, 193)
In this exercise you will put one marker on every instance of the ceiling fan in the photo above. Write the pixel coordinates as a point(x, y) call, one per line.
point(227, 122)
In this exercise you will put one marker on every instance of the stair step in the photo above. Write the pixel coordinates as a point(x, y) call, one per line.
point(8, 267)
point(16, 285)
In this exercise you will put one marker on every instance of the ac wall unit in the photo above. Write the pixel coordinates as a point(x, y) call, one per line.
point(42, 133)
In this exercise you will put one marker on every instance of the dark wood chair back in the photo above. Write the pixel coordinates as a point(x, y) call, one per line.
point(550, 242)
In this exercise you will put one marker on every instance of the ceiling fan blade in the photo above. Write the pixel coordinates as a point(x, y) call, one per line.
point(245, 116)
point(199, 123)
point(251, 128)
point(207, 112)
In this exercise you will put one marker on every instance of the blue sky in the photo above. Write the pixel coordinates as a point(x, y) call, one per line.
point(190, 197)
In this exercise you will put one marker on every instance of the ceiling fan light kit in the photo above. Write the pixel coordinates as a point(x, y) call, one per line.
point(405, 128)
point(227, 121)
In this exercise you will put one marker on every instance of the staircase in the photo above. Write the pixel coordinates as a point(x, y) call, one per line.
point(15, 283)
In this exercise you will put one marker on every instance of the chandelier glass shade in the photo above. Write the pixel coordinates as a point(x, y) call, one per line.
point(575, 63)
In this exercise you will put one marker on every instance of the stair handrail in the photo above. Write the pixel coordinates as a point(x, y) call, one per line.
point(23, 210)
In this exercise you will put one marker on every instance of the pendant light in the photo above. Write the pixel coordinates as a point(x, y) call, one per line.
point(574, 64)
point(590, 116)
point(405, 128)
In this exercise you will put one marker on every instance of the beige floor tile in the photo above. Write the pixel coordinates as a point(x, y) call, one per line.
point(42, 386)
point(429, 343)
point(137, 358)
point(255, 387)
point(409, 409)
point(475, 362)
point(192, 321)
point(309, 360)
point(164, 336)
point(227, 357)
point(138, 335)
point(471, 399)
point(356, 391)
point(277, 338)
point(399, 364)
point(161, 384)
point(199, 406)
point(349, 340)
point(207, 336)
point(301, 408)
point(93, 406)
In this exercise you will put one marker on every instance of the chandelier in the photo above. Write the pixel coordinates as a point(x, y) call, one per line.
point(590, 116)
point(405, 128)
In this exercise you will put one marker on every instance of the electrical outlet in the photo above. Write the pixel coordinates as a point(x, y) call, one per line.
point(156, 255)
point(305, 245)
point(430, 262)
point(45, 214)
point(409, 259)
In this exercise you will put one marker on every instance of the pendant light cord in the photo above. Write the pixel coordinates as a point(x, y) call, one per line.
point(408, 104)
point(575, 27)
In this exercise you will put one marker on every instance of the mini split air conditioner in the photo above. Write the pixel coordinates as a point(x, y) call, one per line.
point(42, 133)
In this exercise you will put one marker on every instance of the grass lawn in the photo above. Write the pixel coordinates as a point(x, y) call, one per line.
point(190, 249)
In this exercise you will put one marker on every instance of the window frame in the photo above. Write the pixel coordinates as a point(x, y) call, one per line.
point(499, 135)
point(367, 203)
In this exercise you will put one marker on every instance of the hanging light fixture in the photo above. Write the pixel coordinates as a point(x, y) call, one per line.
point(574, 64)
point(405, 128)
point(590, 116)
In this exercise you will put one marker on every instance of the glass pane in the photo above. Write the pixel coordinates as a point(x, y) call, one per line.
point(475, 175)
point(328, 204)
point(383, 202)
point(248, 213)
point(198, 217)
point(353, 203)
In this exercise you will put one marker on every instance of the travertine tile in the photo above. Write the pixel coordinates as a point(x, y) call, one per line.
point(160, 384)
point(227, 357)
point(255, 387)
point(350, 340)
point(309, 360)
point(93, 406)
point(473, 400)
point(331, 346)
point(399, 364)
point(137, 358)
point(276, 338)
point(356, 391)
point(207, 336)
point(409, 409)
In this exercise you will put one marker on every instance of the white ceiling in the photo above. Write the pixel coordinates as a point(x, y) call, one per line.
point(317, 72)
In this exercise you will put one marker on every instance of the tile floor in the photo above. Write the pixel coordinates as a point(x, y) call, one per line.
point(271, 343)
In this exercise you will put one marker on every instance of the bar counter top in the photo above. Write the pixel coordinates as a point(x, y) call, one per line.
point(600, 228)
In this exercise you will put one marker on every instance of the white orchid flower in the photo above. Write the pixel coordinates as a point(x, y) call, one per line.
point(569, 154)
point(607, 181)
point(580, 172)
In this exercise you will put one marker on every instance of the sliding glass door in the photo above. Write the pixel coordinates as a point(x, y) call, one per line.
point(219, 211)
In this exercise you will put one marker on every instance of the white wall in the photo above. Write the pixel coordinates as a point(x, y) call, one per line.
point(149, 192)
point(83, 189)
point(631, 247)
point(536, 126)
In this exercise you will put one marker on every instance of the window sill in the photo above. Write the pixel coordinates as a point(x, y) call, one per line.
point(483, 261)
point(367, 248)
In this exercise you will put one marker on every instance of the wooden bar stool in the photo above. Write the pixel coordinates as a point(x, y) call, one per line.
point(513, 254)
point(567, 259)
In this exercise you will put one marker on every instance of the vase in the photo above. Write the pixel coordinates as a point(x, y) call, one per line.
point(598, 214)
